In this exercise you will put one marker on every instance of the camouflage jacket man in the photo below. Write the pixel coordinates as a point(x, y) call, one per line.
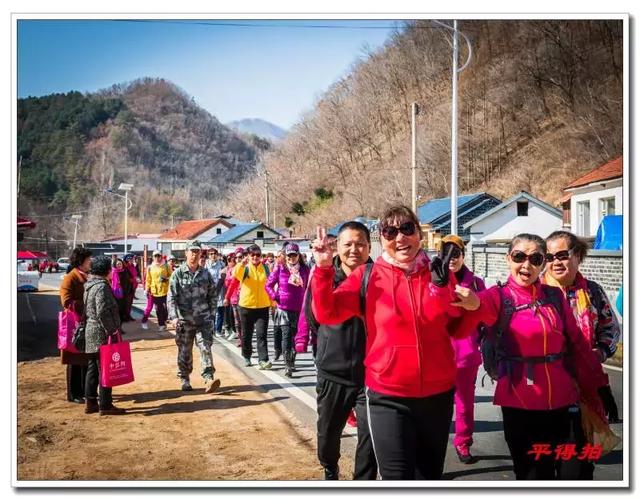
point(192, 296)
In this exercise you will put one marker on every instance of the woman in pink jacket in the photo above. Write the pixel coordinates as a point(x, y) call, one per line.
point(233, 294)
point(468, 358)
point(547, 368)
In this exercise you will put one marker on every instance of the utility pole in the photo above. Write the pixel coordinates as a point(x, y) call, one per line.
point(266, 197)
point(19, 168)
point(454, 133)
point(76, 218)
point(414, 195)
point(126, 188)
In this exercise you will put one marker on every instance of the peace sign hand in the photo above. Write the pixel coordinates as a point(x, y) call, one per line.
point(322, 252)
point(439, 266)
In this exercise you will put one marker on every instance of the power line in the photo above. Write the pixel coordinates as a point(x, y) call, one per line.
point(265, 25)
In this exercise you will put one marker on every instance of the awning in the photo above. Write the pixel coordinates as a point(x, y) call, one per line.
point(29, 255)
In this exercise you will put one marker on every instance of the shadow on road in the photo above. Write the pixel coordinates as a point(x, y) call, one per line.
point(215, 403)
point(476, 471)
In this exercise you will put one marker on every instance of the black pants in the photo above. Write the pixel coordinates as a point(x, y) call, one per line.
point(228, 319)
point(258, 318)
point(335, 402)
point(161, 309)
point(93, 380)
point(76, 375)
point(288, 330)
point(524, 428)
point(410, 435)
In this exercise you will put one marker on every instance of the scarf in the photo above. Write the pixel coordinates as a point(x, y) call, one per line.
point(418, 262)
point(578, 297)
point(294, 277)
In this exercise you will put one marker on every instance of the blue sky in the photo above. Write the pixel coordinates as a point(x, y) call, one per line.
point(270, 69)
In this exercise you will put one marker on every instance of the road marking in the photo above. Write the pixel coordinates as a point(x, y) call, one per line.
point(33, 315)
point(287, 385)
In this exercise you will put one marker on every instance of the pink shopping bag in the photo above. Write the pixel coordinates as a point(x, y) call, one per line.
point(115, 362)
point(67, 321)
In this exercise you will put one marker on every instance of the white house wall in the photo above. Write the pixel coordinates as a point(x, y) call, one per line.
point(593, 195)
point(505, 223)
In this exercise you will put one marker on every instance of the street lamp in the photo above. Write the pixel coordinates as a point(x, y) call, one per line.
point(76, 218)
point(126, 188)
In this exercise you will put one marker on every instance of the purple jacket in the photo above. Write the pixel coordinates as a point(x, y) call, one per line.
point(467, 348)
point(289, 297)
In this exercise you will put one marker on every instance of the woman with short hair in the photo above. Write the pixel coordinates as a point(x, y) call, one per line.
point(102, 320)
point(71, 297)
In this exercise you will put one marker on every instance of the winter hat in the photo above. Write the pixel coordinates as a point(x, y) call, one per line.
point(456, 240)
point(157, 252)
point(239, 250)
point(100, 265)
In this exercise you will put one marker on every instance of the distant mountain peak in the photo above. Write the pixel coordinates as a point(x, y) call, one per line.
point(259, 127)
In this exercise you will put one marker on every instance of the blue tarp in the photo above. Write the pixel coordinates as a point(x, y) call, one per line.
point(609, 236)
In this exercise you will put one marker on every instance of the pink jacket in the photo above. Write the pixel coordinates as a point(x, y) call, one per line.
point(467, 348)
point(231, 285)
point(539, 332)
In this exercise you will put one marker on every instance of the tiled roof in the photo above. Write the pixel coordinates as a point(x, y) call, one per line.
point(611, 170)
point(235, 232)
point(191, 229)
point(434, 209)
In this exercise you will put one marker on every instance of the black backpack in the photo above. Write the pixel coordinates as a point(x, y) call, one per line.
point(496, 361)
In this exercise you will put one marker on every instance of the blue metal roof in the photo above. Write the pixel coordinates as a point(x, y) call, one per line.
point(235, 232)
point(435, 209)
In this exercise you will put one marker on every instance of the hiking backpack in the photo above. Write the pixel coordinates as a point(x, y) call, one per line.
point(496, 361)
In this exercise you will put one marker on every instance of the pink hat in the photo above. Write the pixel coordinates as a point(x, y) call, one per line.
point(239, 250)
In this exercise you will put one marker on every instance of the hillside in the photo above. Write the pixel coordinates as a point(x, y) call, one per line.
point(540, 104)
point(261, 128)
point(149, 133)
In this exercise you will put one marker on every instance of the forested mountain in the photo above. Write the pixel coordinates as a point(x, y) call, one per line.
point(261, 128)
point(149, 133)
point(540, 103)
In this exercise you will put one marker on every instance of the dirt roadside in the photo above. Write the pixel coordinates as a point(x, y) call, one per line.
point(238, 433)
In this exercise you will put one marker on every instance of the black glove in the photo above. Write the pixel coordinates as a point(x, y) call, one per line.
point(439, 265)
point(609, 403)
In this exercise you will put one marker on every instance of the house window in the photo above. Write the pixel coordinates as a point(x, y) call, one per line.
point(523, 208)
point(260, 234)
point(584, 215)
point(218, 230)
point(607, 206)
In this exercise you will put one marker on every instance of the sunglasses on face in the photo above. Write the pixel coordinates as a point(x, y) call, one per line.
point(456, 253)
point(194, 250)
point(255, 254)
point(536, 259)
point(406, 228)
point(562, 255)
point(292, 255)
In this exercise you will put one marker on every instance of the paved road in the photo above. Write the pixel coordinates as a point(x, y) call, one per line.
point(298, 395)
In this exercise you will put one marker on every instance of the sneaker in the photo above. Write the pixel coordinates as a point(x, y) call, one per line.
point(162, 328)
point(464, 455)
point(112, 410)
point(287, 372)
point(265, 365)
point(186, 386)
point(352, 421)
point(144, 326)
point(232, 335)
point(247, 362)
point(211, 385)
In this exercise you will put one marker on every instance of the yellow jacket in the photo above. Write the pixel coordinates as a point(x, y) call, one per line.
point(252, 292)
point(158, 279)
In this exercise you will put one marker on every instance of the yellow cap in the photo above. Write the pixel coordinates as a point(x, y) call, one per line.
point(452, 238)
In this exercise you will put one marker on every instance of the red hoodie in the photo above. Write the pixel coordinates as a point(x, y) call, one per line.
point(408, 350)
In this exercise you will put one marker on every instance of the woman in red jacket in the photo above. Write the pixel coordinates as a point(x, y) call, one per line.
point(547, 368)
point(409, 361)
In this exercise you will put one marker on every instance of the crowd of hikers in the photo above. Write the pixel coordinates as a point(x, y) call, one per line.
point(397, 342)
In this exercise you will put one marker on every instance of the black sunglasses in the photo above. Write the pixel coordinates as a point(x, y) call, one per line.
point(536, 258)
point(406, 228)
point(255, 254)
point(561, 255)
point(455, 253)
